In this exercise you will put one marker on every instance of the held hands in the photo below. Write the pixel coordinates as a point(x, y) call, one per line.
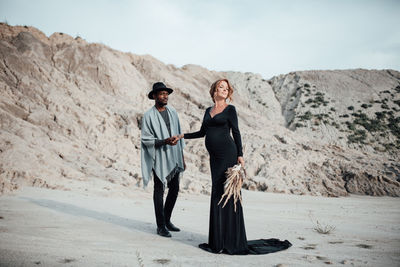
point(173, 140)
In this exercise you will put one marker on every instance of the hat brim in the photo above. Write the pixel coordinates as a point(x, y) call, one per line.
point(150, 95)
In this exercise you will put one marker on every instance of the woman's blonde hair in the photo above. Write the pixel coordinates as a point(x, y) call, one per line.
point(214, 87)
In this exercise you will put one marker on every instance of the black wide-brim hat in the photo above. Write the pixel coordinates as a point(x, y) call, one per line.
point(157, 87)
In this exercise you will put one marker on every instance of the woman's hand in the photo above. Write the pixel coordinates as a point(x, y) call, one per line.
point(175, 139)
point(241, 161)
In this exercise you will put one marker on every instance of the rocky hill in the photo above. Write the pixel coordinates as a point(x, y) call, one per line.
point(70, 114)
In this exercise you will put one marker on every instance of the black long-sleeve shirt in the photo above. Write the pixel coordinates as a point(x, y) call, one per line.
point(229, 114)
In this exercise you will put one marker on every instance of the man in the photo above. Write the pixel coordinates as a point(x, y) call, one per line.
point(162, 155)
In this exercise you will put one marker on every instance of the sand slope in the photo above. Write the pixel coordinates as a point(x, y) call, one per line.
point(72, 110)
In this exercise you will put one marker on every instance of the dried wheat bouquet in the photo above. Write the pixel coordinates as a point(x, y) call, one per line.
point(233, 184)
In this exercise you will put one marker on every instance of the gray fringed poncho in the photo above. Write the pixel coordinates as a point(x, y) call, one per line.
point(165, 158)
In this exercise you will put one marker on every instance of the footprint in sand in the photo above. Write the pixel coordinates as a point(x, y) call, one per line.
point(162, 261)
point(364, 246)
point(67, 260)
point(335, 242)
point(324, 259)
point(312, 258)
point(309, 246)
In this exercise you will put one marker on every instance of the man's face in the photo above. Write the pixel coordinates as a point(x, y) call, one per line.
point(161, 98)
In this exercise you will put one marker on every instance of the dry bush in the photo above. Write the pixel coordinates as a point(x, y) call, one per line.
point(321, 228)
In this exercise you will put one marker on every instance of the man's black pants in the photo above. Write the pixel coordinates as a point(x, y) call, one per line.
point(163, 212)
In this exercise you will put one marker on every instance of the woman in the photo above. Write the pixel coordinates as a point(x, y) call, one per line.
point(227, 232)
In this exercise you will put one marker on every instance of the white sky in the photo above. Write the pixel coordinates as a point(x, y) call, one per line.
point(265, 37)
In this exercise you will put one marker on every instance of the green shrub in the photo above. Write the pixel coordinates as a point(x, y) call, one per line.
point(336, 125)
point(370, 125)
point(359, 136)
point(360, 115)
point(350, 108)
point(384, 106)
point(306, 116)
point(351, 126)
point(388, 146)
point(393, 125)
point(380, 115)
point(318, 100)
point(319, 116)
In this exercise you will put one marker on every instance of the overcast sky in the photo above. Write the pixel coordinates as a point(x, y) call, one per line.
point(265, 37)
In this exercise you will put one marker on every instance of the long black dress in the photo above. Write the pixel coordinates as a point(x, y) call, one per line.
point(227, 233)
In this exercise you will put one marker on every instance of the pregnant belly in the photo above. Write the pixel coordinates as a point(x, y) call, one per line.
point(220, 144)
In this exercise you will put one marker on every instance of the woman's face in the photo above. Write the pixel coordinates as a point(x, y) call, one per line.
point(222, 90)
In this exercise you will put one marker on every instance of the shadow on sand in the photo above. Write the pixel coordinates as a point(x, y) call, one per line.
point(186, 237)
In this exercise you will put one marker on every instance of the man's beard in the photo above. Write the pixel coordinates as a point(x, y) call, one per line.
point(161, 104)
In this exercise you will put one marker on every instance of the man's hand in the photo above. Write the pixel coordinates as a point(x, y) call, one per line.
point(173, 140)
point(176, 139)
point(170, 141)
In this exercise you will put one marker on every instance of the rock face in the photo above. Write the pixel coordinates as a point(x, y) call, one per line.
point(356, 107)
point(70, 114)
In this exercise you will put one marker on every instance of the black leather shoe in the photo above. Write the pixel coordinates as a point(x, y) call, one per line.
point(162, 231)
point(172, 227)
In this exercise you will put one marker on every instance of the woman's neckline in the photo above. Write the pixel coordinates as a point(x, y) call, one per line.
point(209, 111)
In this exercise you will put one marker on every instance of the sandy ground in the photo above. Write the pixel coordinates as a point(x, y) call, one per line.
point(41, 227)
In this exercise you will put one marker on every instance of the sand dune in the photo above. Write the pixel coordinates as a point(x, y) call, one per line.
point(72, 110)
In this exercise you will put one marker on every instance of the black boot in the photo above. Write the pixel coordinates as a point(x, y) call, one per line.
point(162, 231)
point(172, 227)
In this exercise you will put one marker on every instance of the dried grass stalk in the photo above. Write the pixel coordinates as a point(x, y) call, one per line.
point(321, 228)
point(233, 184)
